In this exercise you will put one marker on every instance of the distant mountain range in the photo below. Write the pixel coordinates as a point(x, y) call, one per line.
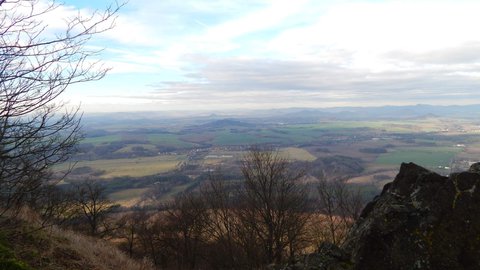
point(386, 112)
point(288, 115)
point(226, 122)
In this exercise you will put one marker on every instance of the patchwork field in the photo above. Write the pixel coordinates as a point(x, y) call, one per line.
point(134, 167)
point(408, 126)
point(368, 152)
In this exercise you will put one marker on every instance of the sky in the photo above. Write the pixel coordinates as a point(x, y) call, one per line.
point(257, 54)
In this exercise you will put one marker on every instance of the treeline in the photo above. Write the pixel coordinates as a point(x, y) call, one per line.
point(110, 150)
point(83, 207)
point(268, 218)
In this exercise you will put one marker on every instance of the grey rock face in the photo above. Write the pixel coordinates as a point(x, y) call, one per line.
point(421, 220)
point(475, 168)
point(328, 257)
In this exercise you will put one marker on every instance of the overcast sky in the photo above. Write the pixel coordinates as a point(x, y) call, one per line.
point(245, 54)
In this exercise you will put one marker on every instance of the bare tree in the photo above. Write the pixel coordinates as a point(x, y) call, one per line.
point(222, 224)
point(36, 66)
point(222, 227)
point(129, 227)
point(54, 205)
point(93, 204)
point(152, 238)
point(275, 204)
point(186, 224)
point(340, 206)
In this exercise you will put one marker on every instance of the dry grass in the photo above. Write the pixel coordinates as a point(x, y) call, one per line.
point(54, 248)
point(99, 253)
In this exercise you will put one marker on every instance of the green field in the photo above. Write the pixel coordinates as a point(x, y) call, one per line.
point(102, 139)
point(424, 156)
point(176, 191)
point(227, 137)
point(167, 139)
point(134, 167)
point(129, 148)
point(400, 126)
point(285, 134)
point(163, 139)
point(127, 194)
point(291, 134)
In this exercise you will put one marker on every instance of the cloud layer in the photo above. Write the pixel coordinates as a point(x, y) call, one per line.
point(258, 54)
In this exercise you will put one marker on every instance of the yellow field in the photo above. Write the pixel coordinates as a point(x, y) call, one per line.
point(213, 161)
point(128, 197)
point(295, 153)
point(134, 167)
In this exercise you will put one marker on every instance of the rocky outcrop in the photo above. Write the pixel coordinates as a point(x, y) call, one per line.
point(328, 257)
point(421, 220)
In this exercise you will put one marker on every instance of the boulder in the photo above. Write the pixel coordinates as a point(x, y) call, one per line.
point(328, 257)
point(421, 220)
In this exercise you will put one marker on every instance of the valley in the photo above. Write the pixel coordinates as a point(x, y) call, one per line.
point(134, 155)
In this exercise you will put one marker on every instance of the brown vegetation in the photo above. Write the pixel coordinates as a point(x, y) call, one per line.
point(36, 130)
point(55, 248)
point(269, 219)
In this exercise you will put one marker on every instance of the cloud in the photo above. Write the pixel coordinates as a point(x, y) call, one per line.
point(467, 53)
point(261, 82)
point(257, 53)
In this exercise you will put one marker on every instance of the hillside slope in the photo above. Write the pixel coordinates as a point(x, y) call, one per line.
point(22, 247)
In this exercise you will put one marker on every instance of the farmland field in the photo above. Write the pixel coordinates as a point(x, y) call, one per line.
point(127, 197)
point(184, 152)
point(230, 138)
point(424, 156)
point(400, 126)
point(102, 139)
point(168, 139)
point(176, 190)
point(295, 153)
point(129, 148)
point(134, 167)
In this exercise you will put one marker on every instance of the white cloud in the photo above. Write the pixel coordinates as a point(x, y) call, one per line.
point(269, 17)
point(281, 53)
point(368, 30)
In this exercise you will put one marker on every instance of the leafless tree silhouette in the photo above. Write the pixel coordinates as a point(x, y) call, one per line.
point(37, 130)
point(340, 206)
point(275, 204)
point(93, 204)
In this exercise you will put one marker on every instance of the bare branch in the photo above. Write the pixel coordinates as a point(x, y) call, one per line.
point(36, 130)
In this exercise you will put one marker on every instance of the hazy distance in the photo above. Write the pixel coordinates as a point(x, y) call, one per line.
point(219, 55)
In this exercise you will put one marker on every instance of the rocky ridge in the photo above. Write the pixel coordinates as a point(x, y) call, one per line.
point(421, 220)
